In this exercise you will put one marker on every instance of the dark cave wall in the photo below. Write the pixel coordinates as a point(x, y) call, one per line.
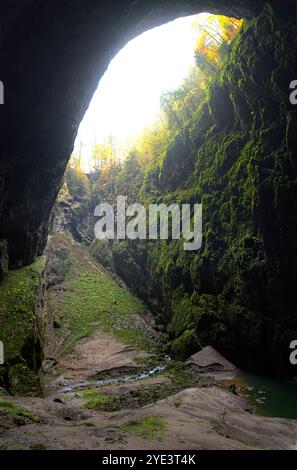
point(52, 56)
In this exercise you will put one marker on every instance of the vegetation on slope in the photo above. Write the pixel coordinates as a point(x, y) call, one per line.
point(87, 298)
point(22, 328)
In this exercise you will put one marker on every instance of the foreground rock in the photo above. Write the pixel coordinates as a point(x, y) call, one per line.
point(211, 362)
point(192, 419)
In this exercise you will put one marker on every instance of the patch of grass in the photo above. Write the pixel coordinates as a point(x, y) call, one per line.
point(133, 399)
point(98, 401)
point(38, 447)
point(180, 375)
point(18, 411)
point(149, 428)
point(93, 299)
point(178, 402)
point(202, 422)
point(209, 427)
point(152, 360)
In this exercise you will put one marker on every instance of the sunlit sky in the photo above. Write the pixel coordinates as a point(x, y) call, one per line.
point(128, 95)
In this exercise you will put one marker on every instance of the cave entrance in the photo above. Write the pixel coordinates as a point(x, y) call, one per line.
point(147, 97)
point(57, 67)
point(151, 89)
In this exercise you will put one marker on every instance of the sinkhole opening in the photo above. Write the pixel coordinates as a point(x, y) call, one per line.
point(143, 107)
point(150, 91)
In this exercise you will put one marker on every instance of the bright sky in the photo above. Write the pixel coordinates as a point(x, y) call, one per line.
point(128, 95)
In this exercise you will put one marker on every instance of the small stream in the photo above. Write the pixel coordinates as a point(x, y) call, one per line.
point(267, 396)
point(116, 380)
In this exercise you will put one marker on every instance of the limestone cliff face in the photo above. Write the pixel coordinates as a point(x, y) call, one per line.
point(73, 212)
point(237, 157)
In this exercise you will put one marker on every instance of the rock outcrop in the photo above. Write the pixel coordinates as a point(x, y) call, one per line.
point(210, 361)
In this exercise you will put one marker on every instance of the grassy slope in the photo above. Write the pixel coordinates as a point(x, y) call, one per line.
point(89, 298)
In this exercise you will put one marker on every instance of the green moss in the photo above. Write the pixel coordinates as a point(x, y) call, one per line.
point(185, 314)
point(18, 297)
point(178, 402)
point(236, 292)
point(185, 345)
point(22, 327)
point(182, 376)
point(18, 411)
point(38, 446)
point(95, 400)
point(141, 396)
point(149, 428)
point(101, 251)
point(23, 381)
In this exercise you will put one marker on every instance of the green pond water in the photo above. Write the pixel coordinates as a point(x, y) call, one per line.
point(271, 397)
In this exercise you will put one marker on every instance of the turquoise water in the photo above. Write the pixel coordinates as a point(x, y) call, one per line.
point(271, 397)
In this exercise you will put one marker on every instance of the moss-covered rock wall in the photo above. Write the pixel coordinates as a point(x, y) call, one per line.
point(238, 158)
point(22, 325)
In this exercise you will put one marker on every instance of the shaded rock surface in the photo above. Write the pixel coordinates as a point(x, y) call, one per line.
point(210, 360)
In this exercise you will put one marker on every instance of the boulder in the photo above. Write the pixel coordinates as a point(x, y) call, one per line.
point(208, 360)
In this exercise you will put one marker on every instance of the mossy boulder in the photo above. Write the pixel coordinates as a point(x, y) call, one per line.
point(23, 381)
point(185, 345)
